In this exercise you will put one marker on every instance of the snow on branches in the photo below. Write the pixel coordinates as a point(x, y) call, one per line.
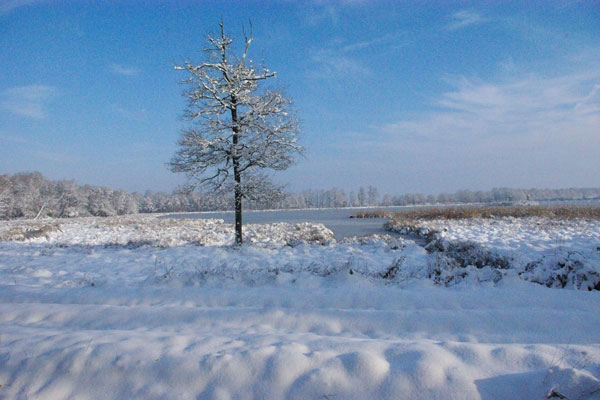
point(238, 127)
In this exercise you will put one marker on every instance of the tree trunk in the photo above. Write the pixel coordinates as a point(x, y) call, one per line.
point(40, 212)
point(236, 175)
point(238, 209)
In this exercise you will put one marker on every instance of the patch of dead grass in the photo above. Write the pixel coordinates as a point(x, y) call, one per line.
point(449, 213)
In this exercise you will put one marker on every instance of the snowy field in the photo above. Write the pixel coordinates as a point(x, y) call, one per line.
point(155, 308)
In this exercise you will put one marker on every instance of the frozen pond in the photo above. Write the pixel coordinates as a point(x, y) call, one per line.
point(337, 219)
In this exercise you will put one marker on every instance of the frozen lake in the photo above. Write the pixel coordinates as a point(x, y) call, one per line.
point(336, 219)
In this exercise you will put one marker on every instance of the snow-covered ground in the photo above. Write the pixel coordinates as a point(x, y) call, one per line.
point(153, 229)
point(149, 308)
point(555, 253)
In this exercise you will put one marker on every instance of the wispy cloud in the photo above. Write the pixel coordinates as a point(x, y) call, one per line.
point(529, 107)
point(124, 70)
point(342, 59)
point(333, 63)
point(463, 18)
point(7, 6)
point(28, 101)
point(388, 40)
point(327, 11)
point(139, 115)
point(328, 14)
point(528, 130)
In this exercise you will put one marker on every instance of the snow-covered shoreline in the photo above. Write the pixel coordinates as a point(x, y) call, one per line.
point(152, 309)
point(555, 253)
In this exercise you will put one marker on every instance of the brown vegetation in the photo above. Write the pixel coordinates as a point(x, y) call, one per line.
point(373, 214)
point(29, 231)
point(430, 213)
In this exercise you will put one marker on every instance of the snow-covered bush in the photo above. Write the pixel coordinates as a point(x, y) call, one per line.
point(467, 253)
point(570, 270)
point(153, 230)
point(283, 233)
point(374, 238)
point(560, 254)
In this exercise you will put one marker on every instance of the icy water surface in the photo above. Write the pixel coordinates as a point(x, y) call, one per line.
point(338, 220)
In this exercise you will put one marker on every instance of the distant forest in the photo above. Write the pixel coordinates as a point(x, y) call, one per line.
point(30, 195)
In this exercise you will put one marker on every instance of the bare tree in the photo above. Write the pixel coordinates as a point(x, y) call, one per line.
point(6, 196)
point(239, 127)
point(67, 200)
point(362, 197)
point(373, 196)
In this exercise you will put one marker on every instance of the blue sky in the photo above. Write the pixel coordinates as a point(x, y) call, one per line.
point(408, 96)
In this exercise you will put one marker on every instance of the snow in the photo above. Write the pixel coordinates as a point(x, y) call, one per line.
point(529, 237)
point(155, 230)
point(555, 253)
point(150, 308)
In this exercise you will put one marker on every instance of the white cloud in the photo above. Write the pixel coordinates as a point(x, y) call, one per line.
point(28, 101)
point(463, 18)
point(124, 70)
point(529, 131)
point(532, 106)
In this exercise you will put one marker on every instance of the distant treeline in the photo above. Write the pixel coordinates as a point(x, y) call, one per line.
point(30, 195)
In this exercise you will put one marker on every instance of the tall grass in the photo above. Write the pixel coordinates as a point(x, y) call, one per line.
point(553, 212)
